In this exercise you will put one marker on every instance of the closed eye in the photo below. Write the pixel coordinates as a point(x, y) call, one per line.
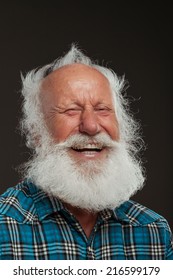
point(103, 110)
point(72, 111)
point(60, 110)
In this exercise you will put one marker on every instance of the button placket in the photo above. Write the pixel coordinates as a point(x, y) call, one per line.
point(90, 253)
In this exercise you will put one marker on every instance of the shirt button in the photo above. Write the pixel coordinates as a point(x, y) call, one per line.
point(91, 255)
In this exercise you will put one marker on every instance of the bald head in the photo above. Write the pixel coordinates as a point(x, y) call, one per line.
point(73, 74)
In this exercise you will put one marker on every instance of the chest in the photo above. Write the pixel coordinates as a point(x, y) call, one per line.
point(58, 239)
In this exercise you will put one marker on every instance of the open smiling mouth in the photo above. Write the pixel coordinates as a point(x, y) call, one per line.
point(91, 150)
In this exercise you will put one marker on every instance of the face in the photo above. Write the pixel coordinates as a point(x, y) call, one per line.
point(77, 99)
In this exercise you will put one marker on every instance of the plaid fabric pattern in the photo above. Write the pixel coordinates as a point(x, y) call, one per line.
point(35, 226)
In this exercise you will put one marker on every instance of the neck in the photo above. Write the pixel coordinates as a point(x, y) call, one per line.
point(86, 219)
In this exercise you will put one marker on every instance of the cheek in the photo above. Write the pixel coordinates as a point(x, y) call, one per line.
point(61, 128)
point(111, 127)
point(114, 132)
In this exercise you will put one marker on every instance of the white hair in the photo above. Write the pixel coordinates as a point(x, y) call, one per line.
point(32, 122)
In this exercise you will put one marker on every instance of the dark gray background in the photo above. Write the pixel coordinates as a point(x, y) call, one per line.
point(135, 40)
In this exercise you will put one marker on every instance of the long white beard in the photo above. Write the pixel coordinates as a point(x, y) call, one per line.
point(93, 185)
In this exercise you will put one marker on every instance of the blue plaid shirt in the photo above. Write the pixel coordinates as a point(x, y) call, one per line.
point(36, 226)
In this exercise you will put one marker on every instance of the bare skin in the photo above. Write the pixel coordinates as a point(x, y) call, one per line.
point(86, 219)
point(77, 99)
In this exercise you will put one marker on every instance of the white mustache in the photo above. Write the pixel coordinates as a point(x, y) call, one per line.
point(81, 140)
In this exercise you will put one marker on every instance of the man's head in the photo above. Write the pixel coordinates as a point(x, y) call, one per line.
point(83, 136)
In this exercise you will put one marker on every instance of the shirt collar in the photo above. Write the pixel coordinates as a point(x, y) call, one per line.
point(128, 212)
point(45, 204)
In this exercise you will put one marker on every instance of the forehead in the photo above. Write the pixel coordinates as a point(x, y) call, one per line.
point(73, 71)
point(73, 78)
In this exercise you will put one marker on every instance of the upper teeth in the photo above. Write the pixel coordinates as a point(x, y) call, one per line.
point(89, 146)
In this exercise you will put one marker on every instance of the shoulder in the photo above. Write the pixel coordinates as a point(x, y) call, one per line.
point(146, 226)
point(138, 214)
point(17, 203)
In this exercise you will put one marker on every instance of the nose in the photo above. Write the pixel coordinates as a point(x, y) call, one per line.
point(89, 123)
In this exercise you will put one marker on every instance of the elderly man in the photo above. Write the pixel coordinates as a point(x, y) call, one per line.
point(73, 203)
